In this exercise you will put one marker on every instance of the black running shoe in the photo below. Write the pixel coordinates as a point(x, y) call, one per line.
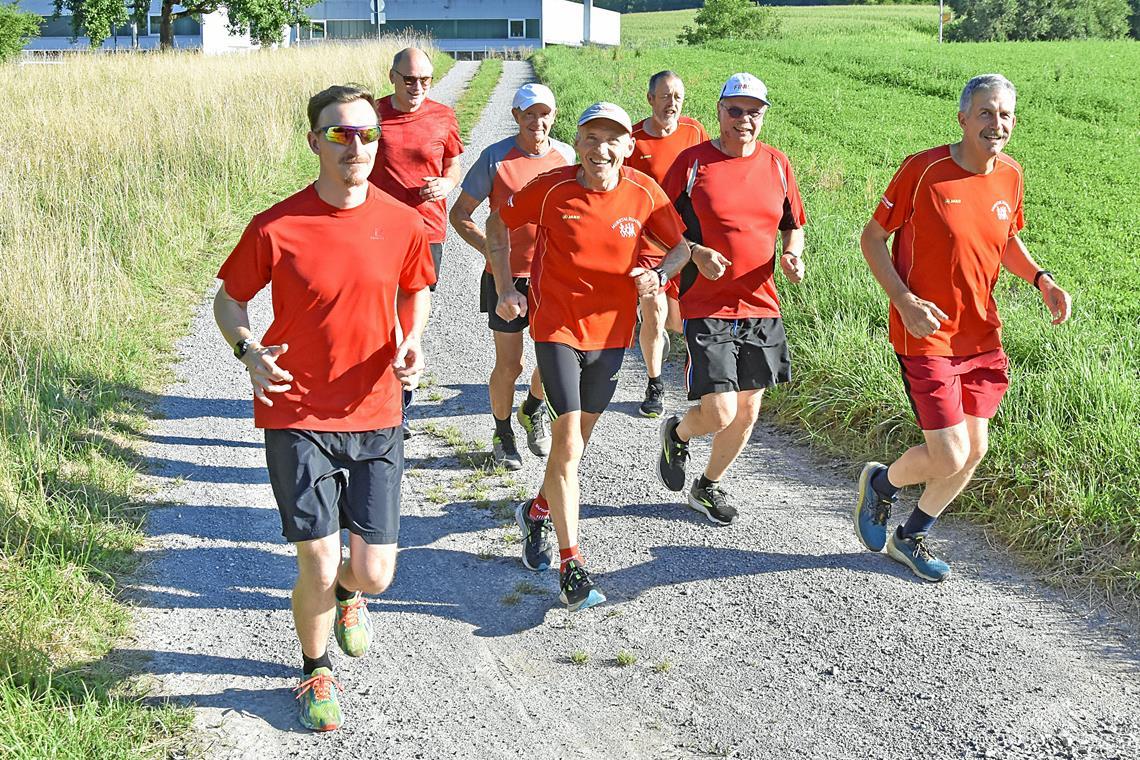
point(578, 592)
point(674, 456)
point(712, 502)
point(504, 453)
point(654, 404)
point(537, 553)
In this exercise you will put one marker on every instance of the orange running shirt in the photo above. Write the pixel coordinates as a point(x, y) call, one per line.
point(581, 293)
point(413, 146)
point(334, 274)
point(737, 206)
point(951, 227)
point(503, 169)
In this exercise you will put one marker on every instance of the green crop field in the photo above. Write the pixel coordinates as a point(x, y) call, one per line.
point(854, 91)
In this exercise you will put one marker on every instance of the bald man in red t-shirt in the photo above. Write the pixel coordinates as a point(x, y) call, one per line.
point(955, 212)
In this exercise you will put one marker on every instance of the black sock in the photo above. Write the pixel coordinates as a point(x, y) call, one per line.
point(309, 664)
point(883, 485)
point(918, 522)
point(531, 405)
point(343, 594)
point(657, 381)
point(673, 434)
point(704, 482)
point(503, 428)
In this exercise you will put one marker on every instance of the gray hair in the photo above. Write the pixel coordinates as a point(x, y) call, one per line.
point(984, 82)
point(659, 76)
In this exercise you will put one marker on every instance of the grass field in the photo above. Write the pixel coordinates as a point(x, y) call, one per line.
point(854, 91)
point(121, 195)
point(474, 99)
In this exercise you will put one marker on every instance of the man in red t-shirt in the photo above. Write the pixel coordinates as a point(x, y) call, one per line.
point(739, 199)
point(955, 212)
point(349, 267)
point(502, 169)
point(585, 279)
point(658, 140)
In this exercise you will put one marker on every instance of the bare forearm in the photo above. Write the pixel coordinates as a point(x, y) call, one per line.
point(793, 241)
point(498, 248)
point(232, 317)
point(676, 258)
point(878, 258)
point(1017, 260)
point(470, 233)
point(412, 309)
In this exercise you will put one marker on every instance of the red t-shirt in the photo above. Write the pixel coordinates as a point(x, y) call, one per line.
point(413, 146)
point(334, 274)
point(581, 293)
point(736, 206)
point(951, 227)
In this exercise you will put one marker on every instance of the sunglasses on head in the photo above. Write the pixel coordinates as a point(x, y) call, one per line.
point(736, 112)
point(342, 135)
point(424, 82)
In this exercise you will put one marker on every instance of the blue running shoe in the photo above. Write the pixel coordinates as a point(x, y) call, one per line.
point(871, 510)
point(913, 552)
point(537, 553)
point(578, 592)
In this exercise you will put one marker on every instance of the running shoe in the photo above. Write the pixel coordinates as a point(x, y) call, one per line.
point(353, 626)
point(504, 453)
point(913, 552)
point(537, 553)
point(674, 456)
point(654, 404)
point(712, 502)
point(319, 709)
point(537, 427)
point(578, 591)
point(871, 510)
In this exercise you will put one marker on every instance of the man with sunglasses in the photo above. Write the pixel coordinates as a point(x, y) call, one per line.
point(417, 162)
point(500, 170)
point(350, 269)
point(658, 140)
point(739, 199)
point(588, 271)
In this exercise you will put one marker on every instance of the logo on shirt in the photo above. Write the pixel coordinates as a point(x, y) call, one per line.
point(647, 156)
point(377, 234)
point(566, 217)
point(627, 226)
point(1001, 210)
point(887, 203)
point(511, 201)
point(951, 201)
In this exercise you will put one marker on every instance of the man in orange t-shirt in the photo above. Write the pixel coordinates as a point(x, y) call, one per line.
point(955, 213)
point(585, 280)
point(349, 267)
point(658, 140)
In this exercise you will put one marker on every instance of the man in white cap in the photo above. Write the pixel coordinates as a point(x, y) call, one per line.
point(737, 346)
point(500, 170)
point(585, 281)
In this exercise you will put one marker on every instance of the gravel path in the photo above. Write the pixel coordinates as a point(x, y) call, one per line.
point(776, 637)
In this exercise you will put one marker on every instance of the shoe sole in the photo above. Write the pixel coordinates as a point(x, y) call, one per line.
point(650, 415)
point(522, 526)
point(699, 507)
point(319, 729)
point(660, 452)
point(864, 485)
point(592, 599)
point(511, 464)
point(900, 556)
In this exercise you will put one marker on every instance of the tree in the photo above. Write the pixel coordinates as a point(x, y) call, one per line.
point(1000, 20)
point(730, 19)
point(16, 28)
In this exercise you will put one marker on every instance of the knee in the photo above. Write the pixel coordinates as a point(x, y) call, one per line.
point(978, 451)
point(720, 413)
point(374, 576)
point(318, 570)
point(510, 368)
point(949, 462)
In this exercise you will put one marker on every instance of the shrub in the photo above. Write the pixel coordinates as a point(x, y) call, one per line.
point(1001, 20)
point(16, 28)
point(730, 19)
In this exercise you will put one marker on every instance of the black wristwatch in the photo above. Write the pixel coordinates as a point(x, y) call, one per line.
point(661, 275)
point(1037, 277)
point(242, 346)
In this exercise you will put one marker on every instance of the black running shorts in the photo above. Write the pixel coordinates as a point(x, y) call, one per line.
point(489, 299)
point(574, 380)
point(437, 262)
point(324, 482)
point(735, 355)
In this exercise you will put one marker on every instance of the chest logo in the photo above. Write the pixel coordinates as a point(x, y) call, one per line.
point(377, 234)
point(571, 217)
point(627, 226)
point(949, 201)
point(1001, 210)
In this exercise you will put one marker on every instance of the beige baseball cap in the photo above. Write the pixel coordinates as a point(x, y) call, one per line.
point(611, 111)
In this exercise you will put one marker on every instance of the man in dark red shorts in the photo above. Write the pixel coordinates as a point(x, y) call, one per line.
point(658, 140)
point(349, 267)
point(500, 170)
point(417, 162)
point(955, 212)
point(740, 201)
point(585, 280)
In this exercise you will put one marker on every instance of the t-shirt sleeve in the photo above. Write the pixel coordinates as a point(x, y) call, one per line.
point(1018, 223)
point(794, 216)
point(452, 145)
point(897, 203)
point(664, 223)
point(249, 266)
point(418, 271)
point(480, 177)
point(566, 150)
point(525, 206)
point(676, 178)
point(704, 134)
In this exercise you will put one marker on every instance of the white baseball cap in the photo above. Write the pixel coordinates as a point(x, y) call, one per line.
point(532, 94)
point(611, 111)
point(745, 85)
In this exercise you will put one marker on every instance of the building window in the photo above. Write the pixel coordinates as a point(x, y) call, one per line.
point(316, 30)
point(348, 29)
point(533, 29)
point(516, 29)
point(187, 26)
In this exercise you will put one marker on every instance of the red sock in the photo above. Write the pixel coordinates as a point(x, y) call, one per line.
point(568, 554)
point(539, 509)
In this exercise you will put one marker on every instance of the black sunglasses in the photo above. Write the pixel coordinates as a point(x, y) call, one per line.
point(736, 112)
point(411, 81)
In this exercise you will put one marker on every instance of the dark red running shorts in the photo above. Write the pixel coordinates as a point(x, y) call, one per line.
point(944, 389)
